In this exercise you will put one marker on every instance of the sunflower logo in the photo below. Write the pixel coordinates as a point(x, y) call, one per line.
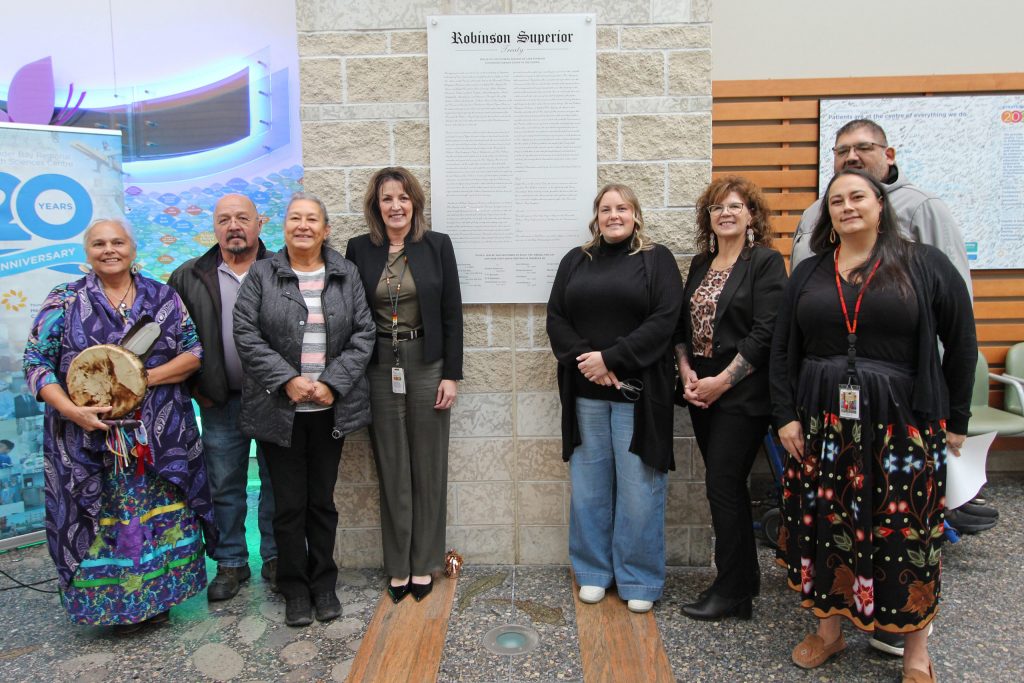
point(13, 300)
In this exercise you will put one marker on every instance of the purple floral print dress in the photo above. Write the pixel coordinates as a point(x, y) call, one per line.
point(127, 545)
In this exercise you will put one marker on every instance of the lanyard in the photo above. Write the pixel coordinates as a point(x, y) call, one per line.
point(393, 301)
point(851, 327)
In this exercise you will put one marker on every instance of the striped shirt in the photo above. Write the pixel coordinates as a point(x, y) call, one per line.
point(314, 339)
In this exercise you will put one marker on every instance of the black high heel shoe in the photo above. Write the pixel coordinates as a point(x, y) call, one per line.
point(421, 590)
point(398, 593)
point(713, 607)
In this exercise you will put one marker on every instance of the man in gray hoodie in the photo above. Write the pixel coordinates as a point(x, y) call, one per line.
point(922, 216)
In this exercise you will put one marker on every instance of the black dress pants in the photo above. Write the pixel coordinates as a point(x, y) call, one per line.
point(728, 444)
point(305, 519)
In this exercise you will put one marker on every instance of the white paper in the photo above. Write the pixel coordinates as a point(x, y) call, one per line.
point(513, 146)
point(966, 475)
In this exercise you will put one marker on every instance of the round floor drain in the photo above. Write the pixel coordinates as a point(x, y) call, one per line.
point(511, 639)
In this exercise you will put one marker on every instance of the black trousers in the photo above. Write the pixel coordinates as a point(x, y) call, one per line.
point(305, 519)
point(728, 444)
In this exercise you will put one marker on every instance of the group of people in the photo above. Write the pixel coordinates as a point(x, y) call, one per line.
point(300, 348)
point(295, 349)
point(842, 357)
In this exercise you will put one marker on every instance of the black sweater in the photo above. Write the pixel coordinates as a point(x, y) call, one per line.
point(944, 310)
point(607, 300)
point(628, 319)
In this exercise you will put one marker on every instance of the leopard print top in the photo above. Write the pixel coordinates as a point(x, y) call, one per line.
point(702, 310)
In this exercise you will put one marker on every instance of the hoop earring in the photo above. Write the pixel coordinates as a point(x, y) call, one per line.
point(711, 243)
point(135, 268)
point(750, 237)
point(832, 236)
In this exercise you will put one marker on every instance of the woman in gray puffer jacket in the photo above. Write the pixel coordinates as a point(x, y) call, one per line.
point(304, 334)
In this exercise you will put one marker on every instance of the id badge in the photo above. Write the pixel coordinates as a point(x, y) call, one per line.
point(849, 401)
point(398, 380)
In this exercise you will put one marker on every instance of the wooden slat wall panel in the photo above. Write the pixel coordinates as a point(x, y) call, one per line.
point(790, 200)
point(1002, 309)
point(728, 134)
point(768, 131)
point(900, 86)
point(998, 283)
point(749, 111)
point(785, 224)
point(770, 179)
point(723, 157)
point(989, 332)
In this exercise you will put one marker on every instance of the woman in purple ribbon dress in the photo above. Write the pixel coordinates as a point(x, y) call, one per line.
point(124, 506)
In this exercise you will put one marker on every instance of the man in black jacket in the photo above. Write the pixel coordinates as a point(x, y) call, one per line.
point(209, 286)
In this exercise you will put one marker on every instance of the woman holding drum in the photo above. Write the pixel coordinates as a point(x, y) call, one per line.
point(126, 487)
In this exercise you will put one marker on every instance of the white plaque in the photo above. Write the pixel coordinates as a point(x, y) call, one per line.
point(513, 150)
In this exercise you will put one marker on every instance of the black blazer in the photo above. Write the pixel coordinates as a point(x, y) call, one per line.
point(432, 264)
point(744, 321)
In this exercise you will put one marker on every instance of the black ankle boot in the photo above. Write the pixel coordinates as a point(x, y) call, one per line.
point(714, 607)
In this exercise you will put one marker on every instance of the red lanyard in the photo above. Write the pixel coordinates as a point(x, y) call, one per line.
point(852, 327)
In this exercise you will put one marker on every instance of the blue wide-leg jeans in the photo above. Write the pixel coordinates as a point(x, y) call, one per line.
point(617, 519)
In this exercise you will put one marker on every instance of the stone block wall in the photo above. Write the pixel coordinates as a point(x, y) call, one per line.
point(363, 73)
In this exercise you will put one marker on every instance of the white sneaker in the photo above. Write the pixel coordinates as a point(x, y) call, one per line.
point(891, 643)
point(591, 594)
point(639, 606)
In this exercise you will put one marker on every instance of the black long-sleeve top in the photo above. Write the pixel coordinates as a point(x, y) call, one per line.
point(607, 300)
point(886, 326)
point(941, 390)
point(626, 307)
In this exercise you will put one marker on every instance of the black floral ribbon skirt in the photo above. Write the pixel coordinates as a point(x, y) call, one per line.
point(863, 512)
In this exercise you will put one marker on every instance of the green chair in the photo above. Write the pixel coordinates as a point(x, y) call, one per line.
point(1014, 401)
point(985, 419)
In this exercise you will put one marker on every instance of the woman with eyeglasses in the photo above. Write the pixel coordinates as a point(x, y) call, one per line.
point(613, 306)
point(868, 413)
point(723, 341)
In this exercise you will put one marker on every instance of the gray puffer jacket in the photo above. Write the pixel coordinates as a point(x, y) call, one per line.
point(270, 318)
